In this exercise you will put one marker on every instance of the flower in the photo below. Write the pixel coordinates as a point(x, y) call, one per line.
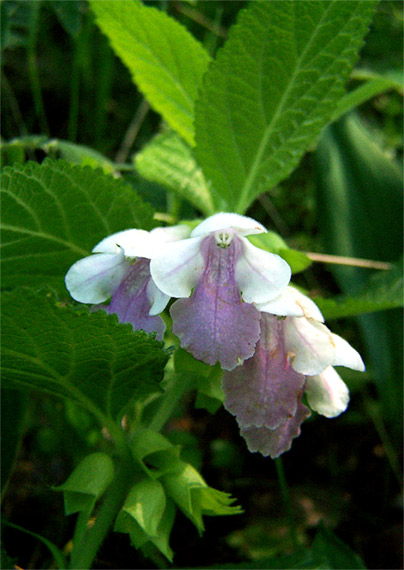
point(295, 355)
point(120, 268)
point(218, 275)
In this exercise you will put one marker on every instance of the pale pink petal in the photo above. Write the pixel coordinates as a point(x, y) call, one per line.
point(310, 345)
point(346, 355)
point(327, 394)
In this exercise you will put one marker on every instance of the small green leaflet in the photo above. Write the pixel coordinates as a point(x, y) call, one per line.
point(383, 291)
point(166, 62)
point(272, 89)
point(54, 213)
point(86, 357)
point(168, 160)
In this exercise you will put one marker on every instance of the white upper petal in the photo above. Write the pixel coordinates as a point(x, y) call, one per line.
point(327, 394)
point(310, 345)
point(172, 233)
point(292, 303)
point(260, 275)
point(242, 225)
point(345, 355)
point(94, 279)
point(179, 267)
point(157, 298)
point(135, 243)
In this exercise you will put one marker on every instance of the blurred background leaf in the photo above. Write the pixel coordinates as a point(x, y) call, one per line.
point(359, 207)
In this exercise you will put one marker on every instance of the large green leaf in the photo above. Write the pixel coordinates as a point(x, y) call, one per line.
point(54, 213)
point(272, 89)
point(168, 160)
point(360, 204)
point(87, 357)
point(383, 291)
point(166, 62)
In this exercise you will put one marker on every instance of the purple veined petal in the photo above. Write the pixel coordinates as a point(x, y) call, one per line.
point(309, 344)
point(94, 279)
point(260, 275)
point(277, 441)
point(265, 390)
point(135, 243)
point(327, 394)
point(292, 303)
point(346, 355)
point(215, 325)
point(131, 302)
point(242, 225)
point(171, 233)
point(178, 267)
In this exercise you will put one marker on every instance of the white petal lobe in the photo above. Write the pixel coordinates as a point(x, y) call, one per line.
point(327, 394)
point(179, 267)
point(346, 355)
point(95, 278)
point(260, 275)
point(242, 225)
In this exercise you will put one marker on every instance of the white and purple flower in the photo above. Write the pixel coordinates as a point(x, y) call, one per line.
point(119, 268)
point(294, 355)
point(219, 275)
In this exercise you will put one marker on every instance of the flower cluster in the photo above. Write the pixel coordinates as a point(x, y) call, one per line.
point(234, 306)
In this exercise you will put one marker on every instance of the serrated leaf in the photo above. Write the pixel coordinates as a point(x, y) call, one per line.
point(165, 61)
point(54, 148)
point(383, 291)
point(272, 89)
point(168, 160)
point(87, 357)
point(16, 19)
point(87, 483)
point(54, 213)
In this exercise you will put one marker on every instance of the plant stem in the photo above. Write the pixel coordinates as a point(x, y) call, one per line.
point(33, 70)
point(286, 499)
point(180, 383)
point(85, 551)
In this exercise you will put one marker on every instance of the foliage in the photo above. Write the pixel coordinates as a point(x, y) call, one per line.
point(246, 91)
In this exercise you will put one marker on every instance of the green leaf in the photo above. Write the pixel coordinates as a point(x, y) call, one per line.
point(360, 204)
point(87, 357)
point(383, 291)
point(54, 213)
point(195, 498)
point(68, 14)
point(16, 20)
point(272, 89)
point(13, 406)
point(60, 560)
point(165, 61)
point(168, 160)
point(15, 149)
point(87, 483)
point(372, 87)
point(271, 241)
point(332, 553)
